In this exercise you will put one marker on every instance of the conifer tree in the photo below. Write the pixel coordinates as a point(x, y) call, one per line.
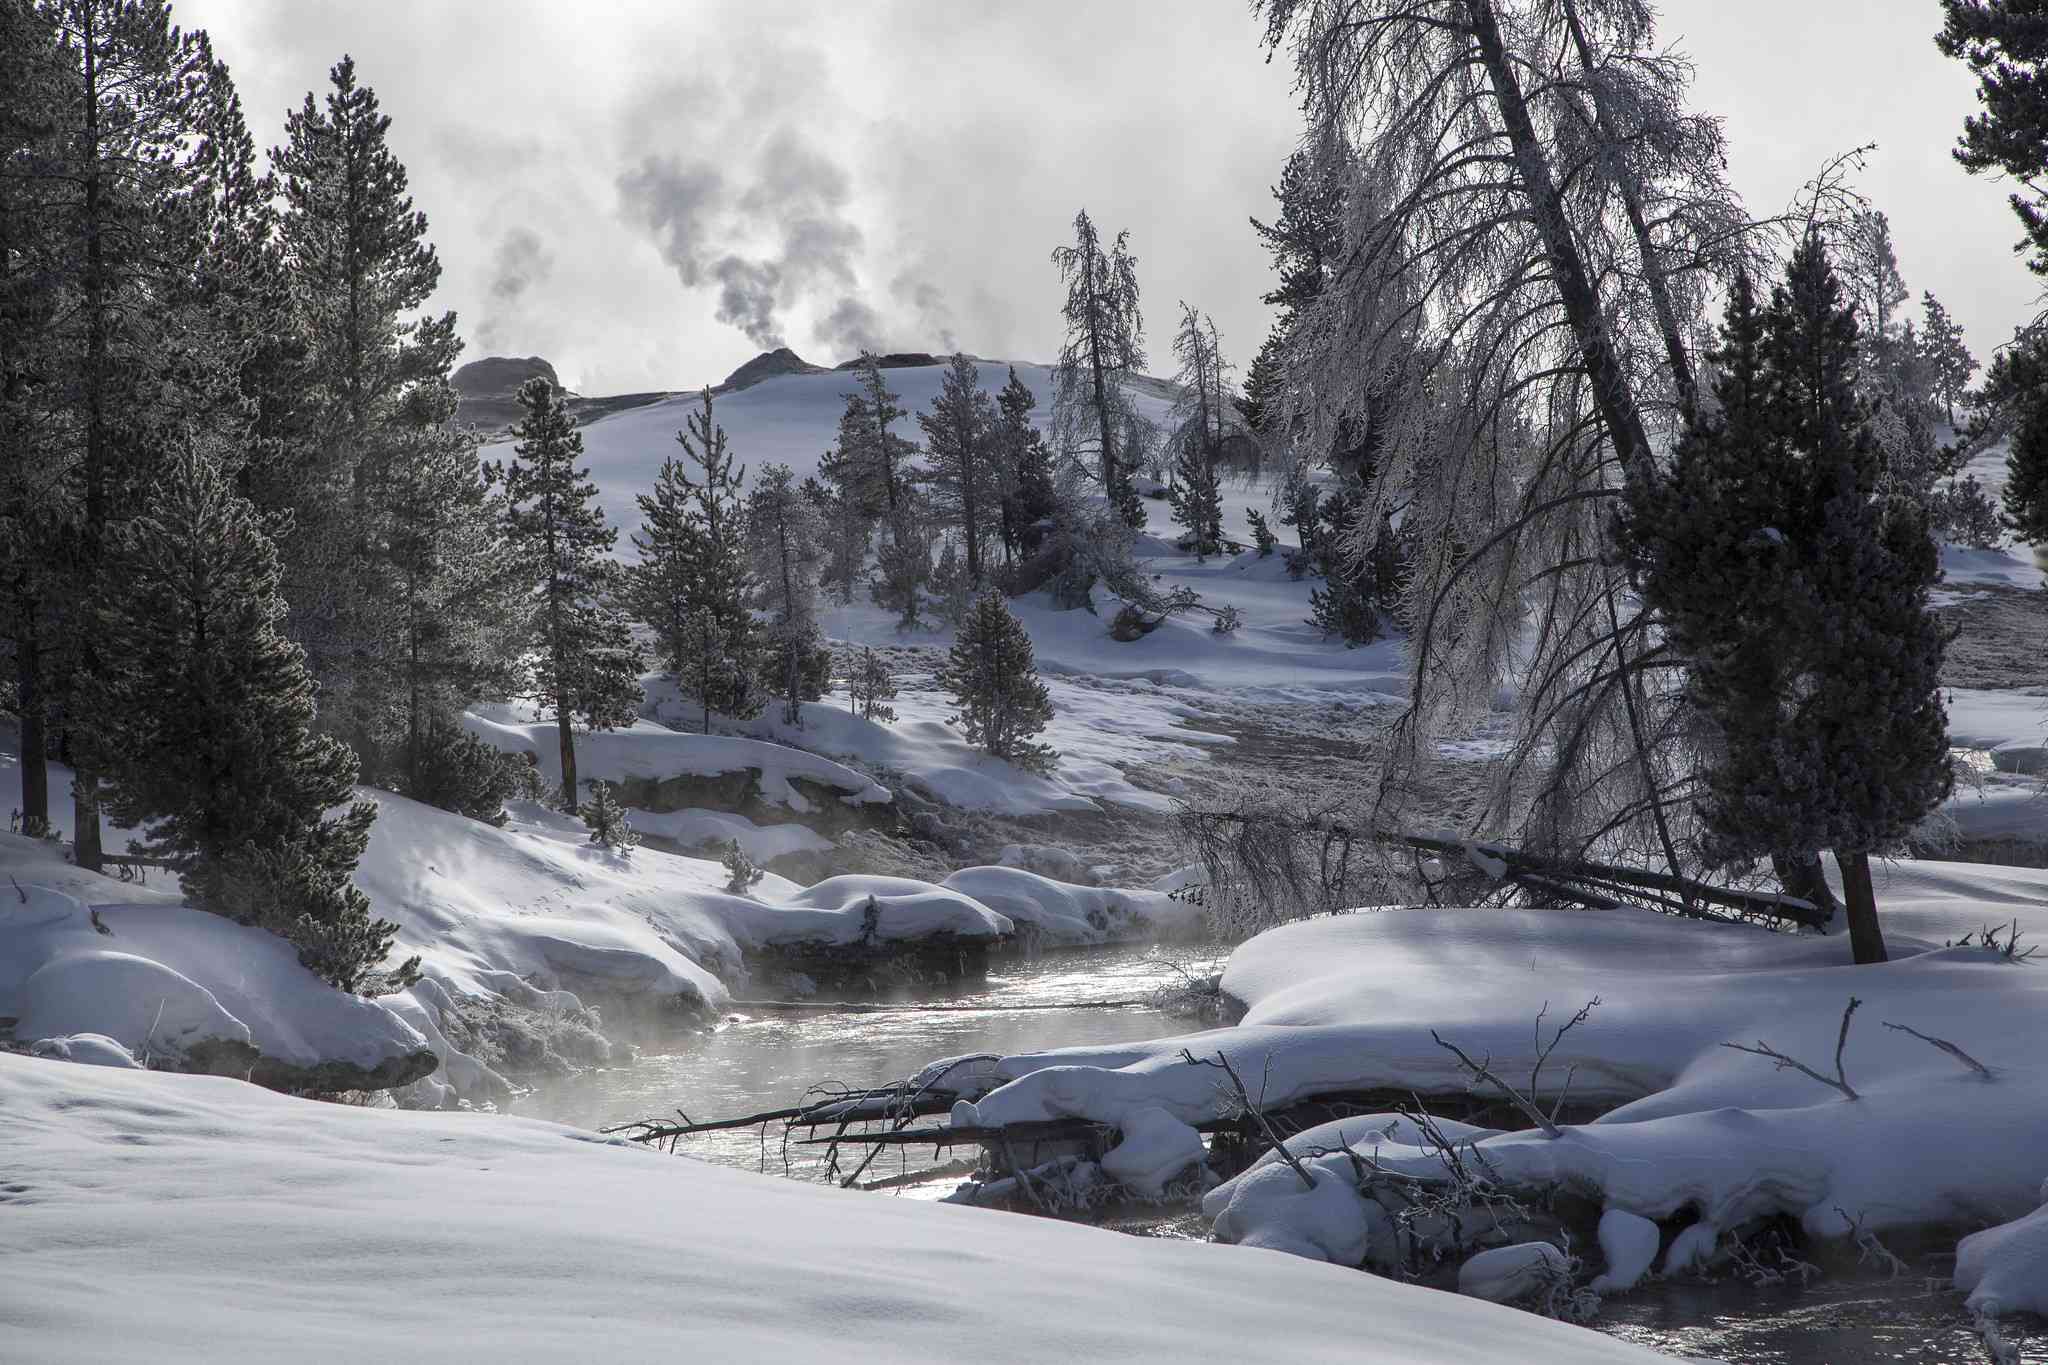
point(1304, 240)
point(741, 876)
point(375, 420)
point(1948, 358)
point(867, 463)
point(991, 675)
point(965, 481)
point(587, 666)
point(1103, 349)
point(2018, 385)
point(847, 533)
point(710, 671)
point(786, 536)
point(660, 586)
point(1797, 593)
point(714, 549)
point(1203, 376)
point(605, 816)
point(871, 687)
point(131, 361)
point(1028, 497)
point(209, 712)
point(2005, 44)
point(903, 561)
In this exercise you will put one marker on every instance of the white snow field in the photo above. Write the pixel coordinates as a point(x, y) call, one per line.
point(351, 1234)
point(1348, 1003)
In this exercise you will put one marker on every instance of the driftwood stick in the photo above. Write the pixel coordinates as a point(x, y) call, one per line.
point(1946, 1046)
point(1244, 1098)
point(1479, 1071)
point(1840, 1080)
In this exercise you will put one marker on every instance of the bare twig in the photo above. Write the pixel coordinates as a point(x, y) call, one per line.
point(1244, 1098)
point(1946, 1046)
point(1543, 1055)
point(1840, 1081)
point(1480, 1071)
point(18, 889)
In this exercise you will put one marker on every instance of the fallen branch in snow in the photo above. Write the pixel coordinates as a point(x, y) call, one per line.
point(18, 888)
point(1870, 1251)
point(1244, 1099)
point(1841, 1078)
point(1480, 1071)
point(1946, 1046)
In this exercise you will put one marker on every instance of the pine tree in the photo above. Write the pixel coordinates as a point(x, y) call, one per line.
point(209, 713)
point(2018, 384)
point(871, 687)
point(741, 876)
point(1197, 500)
point(1262, 533)
point(1947, 357)
point(1798, 595)
point(992, 678)
point(1304, 241)
point(1103, 349)
point(786, 536)
point(867, 464)
point(2005, 44)
point(605, 816)
point(847, 533)
point(1028, 498)
point(374, 428)
point(1197, 493)
point(695, 559)
point(966, 480)
point(903, 561)
point(588, 666)
point(710, 672)
point(131, 361)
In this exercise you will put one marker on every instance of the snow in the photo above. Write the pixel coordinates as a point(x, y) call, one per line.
point(1153, 1148)
point(87, 1049)
point(705, 831)
point(165, 978)
point(654, 752)
point(1629, 1243)
point(1508, 1274)
point(2005, 1269)
point(1348, 1003)
point(1064, 913)
point(218, 1222)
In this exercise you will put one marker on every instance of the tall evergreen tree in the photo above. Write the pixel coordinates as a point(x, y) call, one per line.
point(1797, 592)
point(1304, 240)
point(587, 668)
point(134, 361)
point(209, 711)
point(2005, 44)
point(1204, 382)
point(717, 572)
point(661, 586)
point(847, 531)
point(1028, 496)
point(867, 464)
point(785, 533)
point(991, 675)
point(966, 474)
point(372, 408)
point(1105, 345)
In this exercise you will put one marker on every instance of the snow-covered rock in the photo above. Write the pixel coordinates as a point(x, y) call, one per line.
point(1512, 1274)
point(88, 1049)
point(2005, 1269)
point(1629, 1242)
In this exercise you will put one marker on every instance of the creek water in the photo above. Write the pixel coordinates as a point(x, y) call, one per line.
point(762, 1060)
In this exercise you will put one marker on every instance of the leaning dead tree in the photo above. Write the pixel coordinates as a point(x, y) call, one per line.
point(1533, 225)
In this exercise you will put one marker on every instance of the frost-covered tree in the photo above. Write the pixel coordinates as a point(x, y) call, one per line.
point(903, 560)
point(786, 538)
point(867, 463)
point(587, 667)
point(1797, 592)
point(695, 558)
point(870, 687)
point(1531, 220)
point(1204, 379)
point(208, 713)
point(965, 479)
point(741, 876)
point(2005, 44)
point(847, 532)
point(1947, 356)
point(992, 677)
point(1104, 347)
point(1026, 469)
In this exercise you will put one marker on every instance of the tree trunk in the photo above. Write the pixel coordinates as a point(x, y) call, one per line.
point(568, 739)
point(1802, 875)
point(1866, 940)
point(35, 738)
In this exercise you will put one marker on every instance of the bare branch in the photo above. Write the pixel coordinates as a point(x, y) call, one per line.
point(1839, 1082)
point(1946, 1046)
point(1308, 1181)
point(1480, 1071)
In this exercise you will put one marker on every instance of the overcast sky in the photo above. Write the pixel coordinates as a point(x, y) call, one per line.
point(647, 192)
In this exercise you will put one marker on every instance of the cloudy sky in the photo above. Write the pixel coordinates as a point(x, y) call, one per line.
point(647, 192)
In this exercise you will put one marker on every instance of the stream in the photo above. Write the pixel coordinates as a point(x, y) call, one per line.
point(767, 1059)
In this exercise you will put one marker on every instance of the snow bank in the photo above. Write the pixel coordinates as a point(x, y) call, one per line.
point(839, 909)
point(164, 981)
point(704, 831)
point(1347, 1004)
point(648, 752)
point(1060, 912)
point(212, 1206)
point(2005, 1269)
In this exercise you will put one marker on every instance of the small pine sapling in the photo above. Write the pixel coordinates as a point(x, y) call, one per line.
point(1262, 533)
point(991, 677)
point(606, 817)
point(871, 687)
point(741, 876)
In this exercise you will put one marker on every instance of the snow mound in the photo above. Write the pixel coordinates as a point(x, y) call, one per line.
point(1153, 1148)
point(1064, 913)
point(903, 909)
point(2005, 1269)
point(214, 1205)
point(1511, 1274)
point(88, 1049)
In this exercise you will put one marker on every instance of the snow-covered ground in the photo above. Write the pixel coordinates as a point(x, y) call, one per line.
point(1693, 1130)
point(199, 1219)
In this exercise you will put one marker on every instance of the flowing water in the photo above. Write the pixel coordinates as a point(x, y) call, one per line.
point(764, 1060)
